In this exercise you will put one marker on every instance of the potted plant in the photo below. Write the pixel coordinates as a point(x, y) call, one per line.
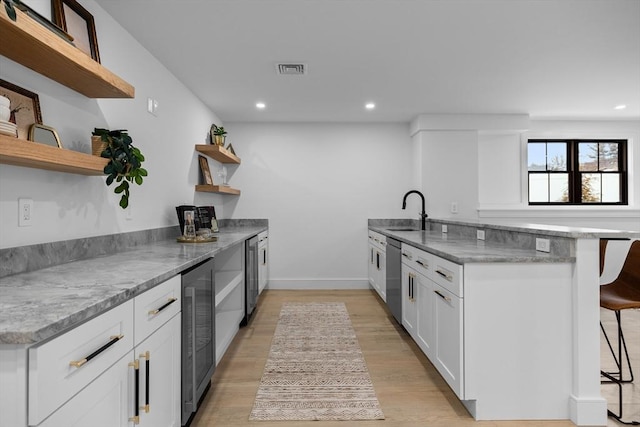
point(125, 161)
point(219, 135)
point(9, 7)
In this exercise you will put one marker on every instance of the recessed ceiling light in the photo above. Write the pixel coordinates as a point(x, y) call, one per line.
point(620, 107)
point(261, 105)
point(369, 105)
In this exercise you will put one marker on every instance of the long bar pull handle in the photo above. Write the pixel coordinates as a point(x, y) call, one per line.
point(264, 256)
point(136, 411)
point(445, 275)
point(422, 263)
point(406, 255)
point(444, 297)
point(191, 294)
point(378, 260)
point(113, 339)
point(147, 356)
point(162, 307)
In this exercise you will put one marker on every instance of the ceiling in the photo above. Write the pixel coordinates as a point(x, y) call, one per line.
point(546, 58)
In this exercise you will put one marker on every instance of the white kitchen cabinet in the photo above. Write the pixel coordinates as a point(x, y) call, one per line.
point(105, 402)
point(263, 260)
point(409, 302)
point(90, 374)
point(425, 325)
point(448, 341)
point(378, 263)
point(159, 386)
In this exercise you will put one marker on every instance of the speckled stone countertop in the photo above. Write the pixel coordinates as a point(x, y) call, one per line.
point(463, 250)
point(37, 305)
point(503, 243)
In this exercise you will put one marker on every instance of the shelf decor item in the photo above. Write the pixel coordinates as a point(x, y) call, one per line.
point(44, 135)
point(125, 161)
point(218, 135)
point(205, 171)
point(78, 23)
point(24, 107)
point(9, 7)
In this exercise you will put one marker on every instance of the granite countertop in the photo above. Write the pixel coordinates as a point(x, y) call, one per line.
point(40, 304)
point(463, 250)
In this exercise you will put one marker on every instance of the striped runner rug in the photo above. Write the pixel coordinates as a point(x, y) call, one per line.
point(315, 370)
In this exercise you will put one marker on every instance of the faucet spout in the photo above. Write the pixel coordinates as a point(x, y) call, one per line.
point(423, 214)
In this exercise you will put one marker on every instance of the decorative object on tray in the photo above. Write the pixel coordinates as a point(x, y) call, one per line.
point(191, 233)
point(125, 161)
point(197, 239)
point(78, 22)
point(44, 135)
point(222, 173)
point(24, 109)
point(205, 171)
point(230, 149)
point(219, 135)
point(45, 22)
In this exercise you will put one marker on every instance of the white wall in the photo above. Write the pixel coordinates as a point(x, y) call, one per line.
point(68, 206)
point(502, 176)
point(318, 183)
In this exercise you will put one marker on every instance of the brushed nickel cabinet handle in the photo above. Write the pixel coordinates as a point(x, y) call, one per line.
point(445, 275)
point(113, 339)
point(136, 409)
point(147, 356)
point(159, 309)
point(444, 297)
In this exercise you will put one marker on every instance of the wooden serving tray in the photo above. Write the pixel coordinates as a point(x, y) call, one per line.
point(183, 239)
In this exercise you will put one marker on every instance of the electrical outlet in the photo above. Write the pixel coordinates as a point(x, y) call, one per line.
point(25, 212)
point(444, 228)
point(542, 245)
point(454, 207)
point(152, 106)
point(480, 234)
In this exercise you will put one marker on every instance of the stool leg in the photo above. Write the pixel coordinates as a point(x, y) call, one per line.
point(611, 375)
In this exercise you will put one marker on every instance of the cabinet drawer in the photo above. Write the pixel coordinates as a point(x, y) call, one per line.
point(53, 379)
point(448, 275)
point(155, 307)
point(419, 260)
point(378, 240)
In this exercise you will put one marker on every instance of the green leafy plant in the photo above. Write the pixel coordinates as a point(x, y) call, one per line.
point(219, 131)
point(125, 161)
point(9, 7)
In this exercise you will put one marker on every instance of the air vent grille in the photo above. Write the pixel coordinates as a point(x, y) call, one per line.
point(291, 69)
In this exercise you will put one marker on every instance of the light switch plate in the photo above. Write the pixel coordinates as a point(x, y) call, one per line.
point(480, 234)
point(543, 245)
point(25, 212)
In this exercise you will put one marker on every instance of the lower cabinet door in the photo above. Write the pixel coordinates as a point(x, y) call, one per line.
point(105, 402)
point(425, 326)
point(448, 338)
point(409, 307)
point(159, 387)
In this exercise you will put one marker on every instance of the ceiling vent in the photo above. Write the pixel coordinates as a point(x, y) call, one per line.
point(291, 69)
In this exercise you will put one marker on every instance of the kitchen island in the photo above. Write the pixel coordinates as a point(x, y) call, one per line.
point(527, 326)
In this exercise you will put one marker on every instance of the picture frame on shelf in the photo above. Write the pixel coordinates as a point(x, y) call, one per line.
point(205, 171)
point(24, 106)
point(44, 135)
point(78, 23)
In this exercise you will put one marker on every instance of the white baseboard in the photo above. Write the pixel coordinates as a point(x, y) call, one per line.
point(318, 284)
point(588, 411)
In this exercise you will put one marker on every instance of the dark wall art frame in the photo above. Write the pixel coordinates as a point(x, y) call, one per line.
point(25, 106)
point(79, 23)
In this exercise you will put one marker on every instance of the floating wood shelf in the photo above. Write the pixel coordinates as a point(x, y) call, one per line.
point(33, 45)
point(20, 152)
point(217, 189)
point(218, 153)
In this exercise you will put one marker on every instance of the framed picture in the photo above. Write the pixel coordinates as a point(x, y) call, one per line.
point(44, 135)
point(24, 106)
point(78, 22)
point(204, 169)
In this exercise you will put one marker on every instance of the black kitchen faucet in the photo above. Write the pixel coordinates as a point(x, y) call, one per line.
point(423, 214)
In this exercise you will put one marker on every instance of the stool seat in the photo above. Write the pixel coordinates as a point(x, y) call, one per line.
point(619, 296)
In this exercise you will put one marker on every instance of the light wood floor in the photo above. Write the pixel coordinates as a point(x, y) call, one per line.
point(410, 391)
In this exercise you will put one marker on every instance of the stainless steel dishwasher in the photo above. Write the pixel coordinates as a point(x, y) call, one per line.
point(394, 279)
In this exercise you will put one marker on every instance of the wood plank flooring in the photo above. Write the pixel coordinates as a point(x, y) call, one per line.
point(410, 390)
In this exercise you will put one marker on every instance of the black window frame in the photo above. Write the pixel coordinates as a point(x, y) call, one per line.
point(575, 175)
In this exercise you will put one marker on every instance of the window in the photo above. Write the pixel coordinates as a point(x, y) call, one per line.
point(577, 172)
